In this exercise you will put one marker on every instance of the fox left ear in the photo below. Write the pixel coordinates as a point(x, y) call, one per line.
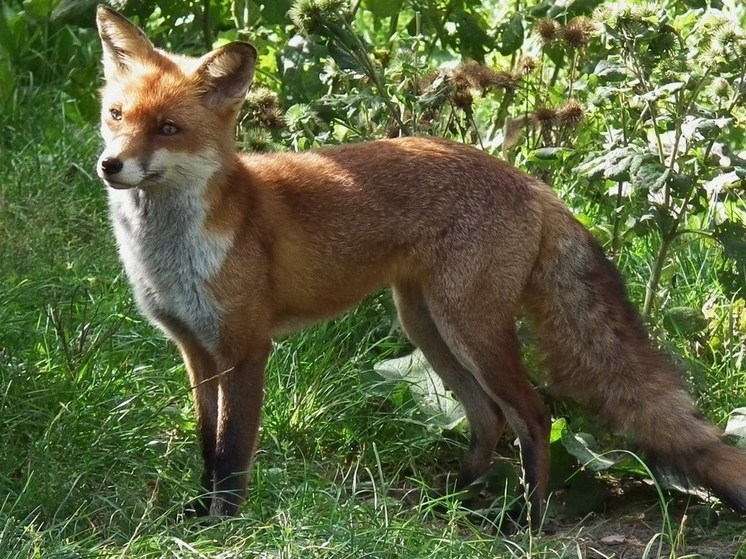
point(225, 74)
point(123, 42)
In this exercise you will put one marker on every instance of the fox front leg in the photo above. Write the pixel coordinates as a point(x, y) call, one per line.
point(239, 402)
point(203, 378)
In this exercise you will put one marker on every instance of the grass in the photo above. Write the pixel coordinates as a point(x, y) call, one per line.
point(98, 451)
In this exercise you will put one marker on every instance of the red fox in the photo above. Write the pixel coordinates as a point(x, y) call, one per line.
point(226, 251)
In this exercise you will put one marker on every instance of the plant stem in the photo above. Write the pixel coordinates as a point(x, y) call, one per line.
point(206, 33)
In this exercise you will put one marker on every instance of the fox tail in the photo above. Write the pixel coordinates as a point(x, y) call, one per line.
point(598, 354)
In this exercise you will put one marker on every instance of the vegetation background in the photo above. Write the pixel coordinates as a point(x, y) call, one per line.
point(634, 112)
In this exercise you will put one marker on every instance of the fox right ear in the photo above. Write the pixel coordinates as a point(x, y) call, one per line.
point(225, 74)
point(122, 41)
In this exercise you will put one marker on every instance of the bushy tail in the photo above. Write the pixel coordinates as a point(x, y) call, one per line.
point(599, 354)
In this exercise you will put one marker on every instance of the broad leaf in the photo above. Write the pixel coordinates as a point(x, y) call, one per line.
point(608, 71)
point(732, 235)
point(512, 36)
point(426, 386)
point(472, 37)
point(612, 165)
point(736, 427)
point(383, 8)
point(684, 320)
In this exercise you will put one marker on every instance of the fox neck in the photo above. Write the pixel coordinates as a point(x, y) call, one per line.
point(169, 255)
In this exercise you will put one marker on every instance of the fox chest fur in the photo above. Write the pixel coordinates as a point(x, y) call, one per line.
point(170, 258)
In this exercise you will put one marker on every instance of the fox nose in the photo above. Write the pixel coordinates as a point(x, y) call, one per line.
point(111, 165)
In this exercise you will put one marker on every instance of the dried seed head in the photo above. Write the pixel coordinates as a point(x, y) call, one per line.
point(577, 33)
point(570, 113)
point(477, 76)
point(463, 99)
point(428, 116)
point(392, 131)
point(547, 29)
point(474, 75)
point(544, 117)
point(505, 80)
point(264, 109)
point(528, 64)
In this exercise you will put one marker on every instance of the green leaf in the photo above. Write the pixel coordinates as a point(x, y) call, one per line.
point(681, 184)
point(472, 37)
point(512, 36)
point(550, 153)
point(662, 91)
point(736, 427)
point(608, 71)
point(427, 388)
point(383, 8)
point(684, 321)
point(503, 478)
point(276, 11)
point(650, 175)
point(732, 235)
point(581, 446)
point(39, 8)
point(612, 165)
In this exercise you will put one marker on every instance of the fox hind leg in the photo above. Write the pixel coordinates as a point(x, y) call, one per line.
point(483, 339)
point(486, 420)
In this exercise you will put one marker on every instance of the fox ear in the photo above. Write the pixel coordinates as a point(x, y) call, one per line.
point(225, 74)
point(122, 41)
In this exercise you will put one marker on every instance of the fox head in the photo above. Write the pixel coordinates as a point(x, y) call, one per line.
point(166, 119)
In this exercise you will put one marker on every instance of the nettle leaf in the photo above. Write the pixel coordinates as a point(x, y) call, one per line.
point(681, 184)
point(650, 174)
point(472, 37)
point(582, 446)
point(684, 321)
point(612, 165)
point(610, 71)
point(662, 91)
point(707, 128)
point(723, 181)
point(344, 59)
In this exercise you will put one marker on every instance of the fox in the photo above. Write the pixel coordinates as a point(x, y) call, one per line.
point(226, 251)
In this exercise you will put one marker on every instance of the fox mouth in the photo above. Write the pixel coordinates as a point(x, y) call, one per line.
point(150, 177)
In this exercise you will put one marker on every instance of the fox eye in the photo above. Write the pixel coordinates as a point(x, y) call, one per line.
point(168, 128)
point(116, 114)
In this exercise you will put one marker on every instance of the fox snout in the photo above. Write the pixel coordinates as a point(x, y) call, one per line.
point(119, 173)
point(110, 166)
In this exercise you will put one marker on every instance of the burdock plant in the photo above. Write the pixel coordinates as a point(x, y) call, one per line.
point(330, 20)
